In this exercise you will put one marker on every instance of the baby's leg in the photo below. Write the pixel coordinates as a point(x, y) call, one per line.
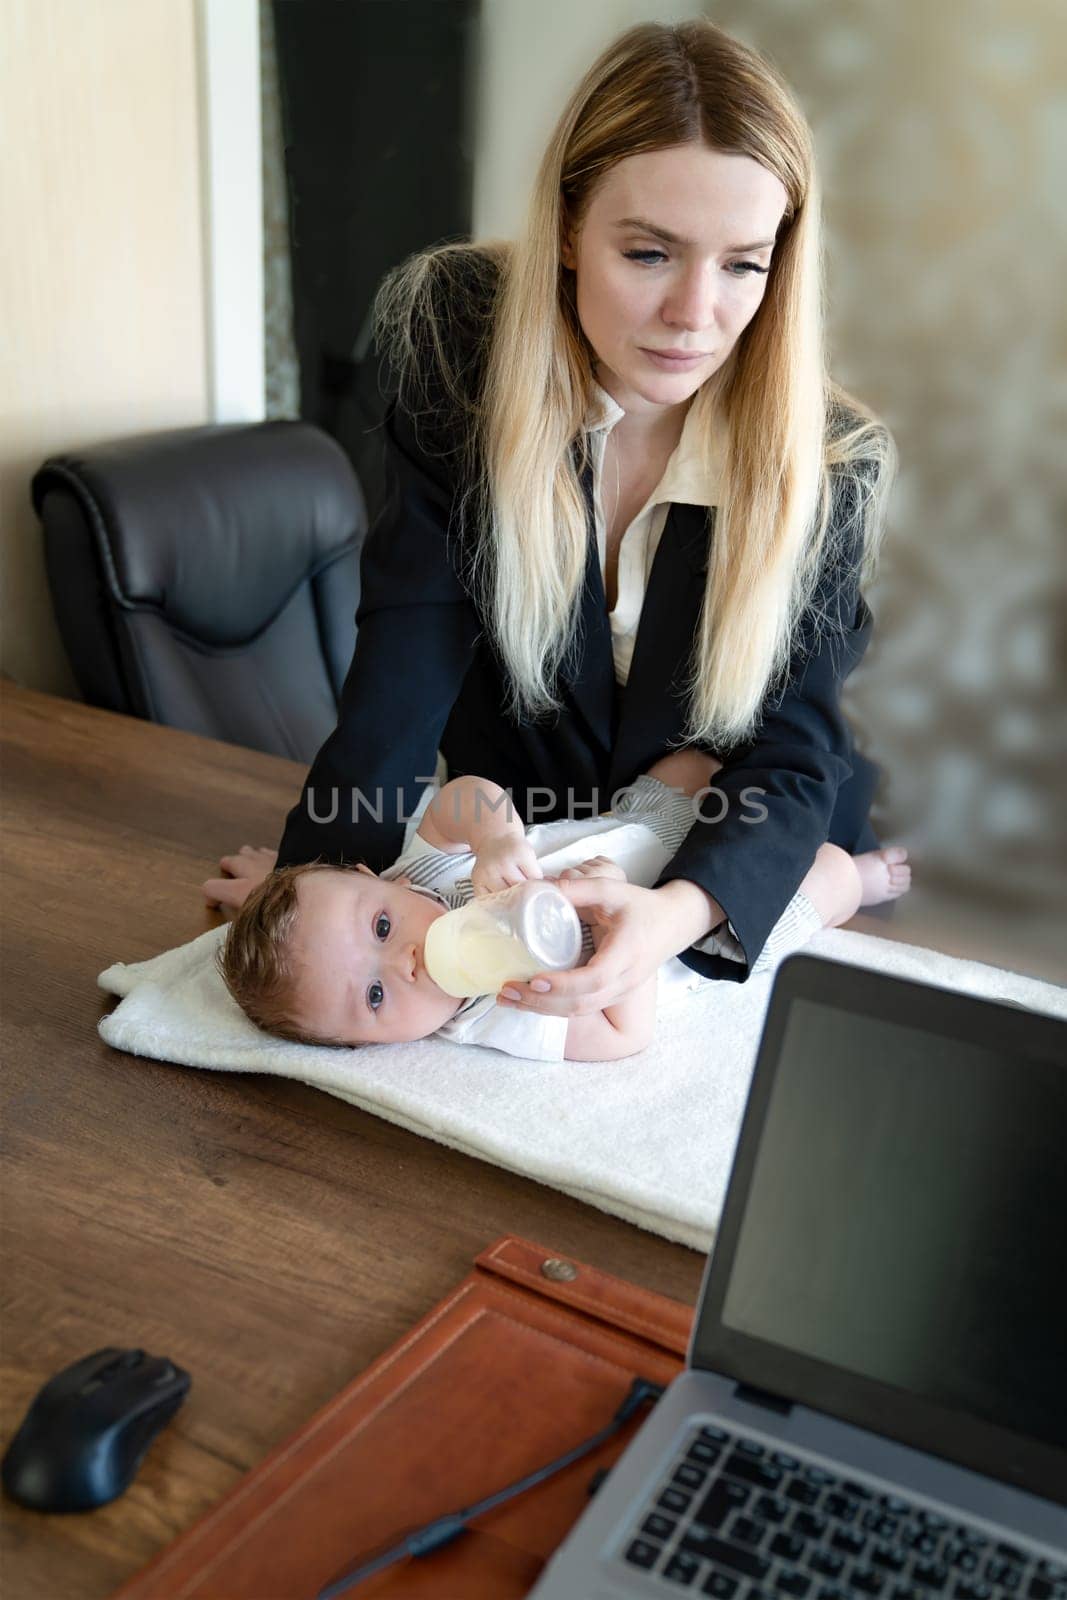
point(838, 884)
point(833, 885)
point(688, 770)
point(664, 797)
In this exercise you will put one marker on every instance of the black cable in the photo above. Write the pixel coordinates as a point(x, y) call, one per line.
point(435, 1535)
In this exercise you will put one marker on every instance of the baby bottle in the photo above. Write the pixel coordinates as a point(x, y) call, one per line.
point(515, 934)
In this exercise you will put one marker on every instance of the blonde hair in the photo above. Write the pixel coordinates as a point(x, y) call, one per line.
point(807, 469)
point(255, 959)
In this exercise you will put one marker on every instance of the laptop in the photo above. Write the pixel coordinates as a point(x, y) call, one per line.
point(874, 1402)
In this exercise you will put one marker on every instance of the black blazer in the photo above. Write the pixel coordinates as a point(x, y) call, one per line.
point(424, 676)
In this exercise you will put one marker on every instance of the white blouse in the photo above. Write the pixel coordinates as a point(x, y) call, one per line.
point(689, 478)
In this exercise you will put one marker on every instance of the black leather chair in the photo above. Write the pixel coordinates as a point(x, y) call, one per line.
point(208, 577)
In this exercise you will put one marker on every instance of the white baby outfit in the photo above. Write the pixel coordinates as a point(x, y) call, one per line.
point(641, 835)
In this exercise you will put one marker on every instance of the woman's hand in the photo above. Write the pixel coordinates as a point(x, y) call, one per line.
point(503, 862)
point(641, 928)
point(241, 873)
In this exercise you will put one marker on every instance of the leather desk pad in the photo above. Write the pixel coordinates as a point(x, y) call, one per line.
point(510, 1370)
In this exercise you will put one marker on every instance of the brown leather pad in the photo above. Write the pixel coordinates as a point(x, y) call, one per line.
point(512, 1369)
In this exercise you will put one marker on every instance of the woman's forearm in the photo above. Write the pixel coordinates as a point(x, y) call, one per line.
point(693, 913)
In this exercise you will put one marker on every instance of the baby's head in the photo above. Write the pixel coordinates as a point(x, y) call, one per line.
point(333, 955)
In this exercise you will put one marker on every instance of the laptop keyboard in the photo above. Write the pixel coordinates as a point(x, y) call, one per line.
point(740, 1520)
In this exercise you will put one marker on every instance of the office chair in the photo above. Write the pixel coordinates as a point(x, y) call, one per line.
point(208, 577)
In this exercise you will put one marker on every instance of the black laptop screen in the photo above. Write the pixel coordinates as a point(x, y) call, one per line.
point(906, 1217)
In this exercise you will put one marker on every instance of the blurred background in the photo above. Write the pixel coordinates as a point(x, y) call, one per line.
point(383, 125)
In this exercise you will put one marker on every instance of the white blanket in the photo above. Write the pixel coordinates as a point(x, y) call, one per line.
point(649, 1139)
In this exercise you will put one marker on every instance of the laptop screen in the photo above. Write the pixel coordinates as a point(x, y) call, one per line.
point(904, 1219)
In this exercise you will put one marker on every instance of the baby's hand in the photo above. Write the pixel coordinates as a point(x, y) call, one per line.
point(242, 871)
point(595, 867)
point(502, 863)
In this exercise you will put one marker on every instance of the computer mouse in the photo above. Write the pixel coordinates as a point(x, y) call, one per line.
point(86, 1434)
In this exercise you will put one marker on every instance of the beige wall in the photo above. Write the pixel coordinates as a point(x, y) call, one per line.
point(101, 275)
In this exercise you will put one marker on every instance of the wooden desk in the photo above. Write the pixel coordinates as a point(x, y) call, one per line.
point(271, 1239)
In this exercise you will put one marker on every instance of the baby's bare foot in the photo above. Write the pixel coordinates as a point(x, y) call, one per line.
point(884, 874)
point(595, 867)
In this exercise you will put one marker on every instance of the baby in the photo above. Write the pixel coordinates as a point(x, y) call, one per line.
point(334, 955)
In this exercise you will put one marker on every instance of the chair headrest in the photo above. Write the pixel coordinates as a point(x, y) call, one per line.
point(213, 526)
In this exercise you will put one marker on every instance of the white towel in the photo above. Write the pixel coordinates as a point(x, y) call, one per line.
point(649, 1139)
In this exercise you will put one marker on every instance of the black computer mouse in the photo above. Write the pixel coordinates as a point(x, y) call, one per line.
point(85, 1435)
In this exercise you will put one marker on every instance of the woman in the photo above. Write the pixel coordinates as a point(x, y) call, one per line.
point(628, 510)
